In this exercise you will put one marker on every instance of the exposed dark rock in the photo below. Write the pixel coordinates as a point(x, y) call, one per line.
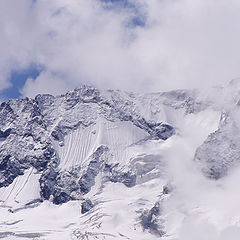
point(86, 206)
point(149, 220)
point(168, 188)
point(10, 168)
point(4, 162)
point(44, 100)
point(58, 135)
point(72, 184)
point(156, 130)
point(29, 126)
point(34, 202)
point(59, 185)
point(164, 131)
point(5, 134)
point(220, 152)
point(127, 178)
point(86, 94)
point(48, 157)
point(94, 167)
point(47, 182)
point(114, 175)
point(60, 197)
point(7, 114)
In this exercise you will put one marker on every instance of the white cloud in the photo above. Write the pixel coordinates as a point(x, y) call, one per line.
point(46, 82)
point(184, 43)
point(199, 208)
point(193, 228)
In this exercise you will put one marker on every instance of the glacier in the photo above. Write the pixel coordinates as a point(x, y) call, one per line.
point(109, 164)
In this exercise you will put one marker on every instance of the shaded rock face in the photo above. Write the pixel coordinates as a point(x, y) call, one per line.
point(87, 180)
point(149, 220)
point(5, 134)
point(86, 206)
point(115, 175)
point(156, 130)
point(31, 128)
point(63, 186)
point(220, 152)
point(168, 188)
point(23, 141)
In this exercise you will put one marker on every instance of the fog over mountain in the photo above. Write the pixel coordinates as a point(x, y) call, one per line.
point(93, 164)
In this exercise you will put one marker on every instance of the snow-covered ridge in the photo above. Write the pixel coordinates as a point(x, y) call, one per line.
point(109, 161)
point(34, 131)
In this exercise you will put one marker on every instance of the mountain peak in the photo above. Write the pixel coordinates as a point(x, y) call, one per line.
point(105, 151)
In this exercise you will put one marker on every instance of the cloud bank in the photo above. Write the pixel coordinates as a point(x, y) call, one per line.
point(199, 208)
point(147, 45)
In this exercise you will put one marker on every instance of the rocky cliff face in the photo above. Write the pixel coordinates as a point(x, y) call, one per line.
point(30, 128)
point(220, 152)
point(107, 152)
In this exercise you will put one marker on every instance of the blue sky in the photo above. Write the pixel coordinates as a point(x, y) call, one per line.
point(18, 78)
point(133, 45)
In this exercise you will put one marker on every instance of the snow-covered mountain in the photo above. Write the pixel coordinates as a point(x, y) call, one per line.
point(96, 164)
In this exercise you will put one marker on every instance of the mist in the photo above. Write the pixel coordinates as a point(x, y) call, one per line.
point(177, 44)
point(201, 208)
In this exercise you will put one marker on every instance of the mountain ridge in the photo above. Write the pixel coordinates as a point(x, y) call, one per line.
point(95, 150)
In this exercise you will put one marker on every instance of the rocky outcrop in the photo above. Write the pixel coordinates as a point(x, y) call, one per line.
point(220, 152)
point(63, 186)
point(149, 220)
point(30, 129)
point(87, 205)
point(23, 142)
